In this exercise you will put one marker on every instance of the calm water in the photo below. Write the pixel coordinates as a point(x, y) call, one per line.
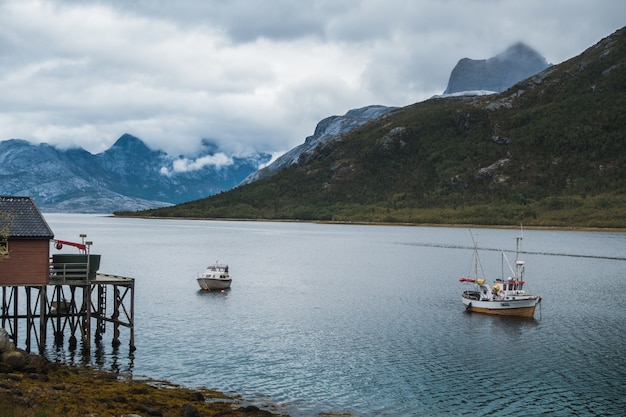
point(367, 319)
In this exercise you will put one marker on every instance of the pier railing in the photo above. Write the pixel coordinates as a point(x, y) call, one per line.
point(74, 266)
point(60, 270)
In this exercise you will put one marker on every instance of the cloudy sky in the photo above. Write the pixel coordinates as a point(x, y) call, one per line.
point(252, 75)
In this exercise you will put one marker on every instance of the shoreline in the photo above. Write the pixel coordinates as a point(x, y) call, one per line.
point(365, 223)
point(44, 388)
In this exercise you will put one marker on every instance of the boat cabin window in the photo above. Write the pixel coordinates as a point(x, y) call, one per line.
point(511, 287)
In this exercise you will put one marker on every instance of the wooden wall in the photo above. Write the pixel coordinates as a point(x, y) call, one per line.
point(28, 263)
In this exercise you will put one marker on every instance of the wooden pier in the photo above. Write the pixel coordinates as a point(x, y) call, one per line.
point(59, 293)
point(76, 308)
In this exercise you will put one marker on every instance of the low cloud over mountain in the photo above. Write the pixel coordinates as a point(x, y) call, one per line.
point(128, 175)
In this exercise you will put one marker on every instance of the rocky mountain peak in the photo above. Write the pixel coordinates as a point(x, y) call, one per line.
point(497, 73)
point(521, 51)
point(129, 144)
point(327, 129)
point(126, 176)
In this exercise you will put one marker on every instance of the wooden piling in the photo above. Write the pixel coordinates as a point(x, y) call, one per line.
point(68, 305)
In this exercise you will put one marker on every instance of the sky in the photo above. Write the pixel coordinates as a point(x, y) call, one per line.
point(252, 75)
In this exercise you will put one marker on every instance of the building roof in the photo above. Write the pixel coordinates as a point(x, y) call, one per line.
point(23, 218)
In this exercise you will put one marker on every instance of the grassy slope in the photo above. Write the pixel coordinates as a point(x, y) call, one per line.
point(559, 159)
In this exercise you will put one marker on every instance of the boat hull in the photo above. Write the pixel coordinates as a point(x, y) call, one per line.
point(517, 308)
point(209, 284)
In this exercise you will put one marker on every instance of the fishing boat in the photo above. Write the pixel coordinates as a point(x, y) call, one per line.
point(505, 297)
point(215, 277)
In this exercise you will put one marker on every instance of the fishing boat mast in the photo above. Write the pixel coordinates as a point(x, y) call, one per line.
point(519, 265)
point(476, 258)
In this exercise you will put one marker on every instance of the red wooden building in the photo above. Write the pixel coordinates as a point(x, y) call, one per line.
point(24, 243)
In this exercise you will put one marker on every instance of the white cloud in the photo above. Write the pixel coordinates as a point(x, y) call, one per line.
point(251, 75)
point(218, 161)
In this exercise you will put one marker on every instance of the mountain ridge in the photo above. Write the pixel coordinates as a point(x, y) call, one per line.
point(128, 174)
point(131, 173)
point(549, 151)
point(515, 63)
point(327, 129)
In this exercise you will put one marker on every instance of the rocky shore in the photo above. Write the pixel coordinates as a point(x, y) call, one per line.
point(32, 386)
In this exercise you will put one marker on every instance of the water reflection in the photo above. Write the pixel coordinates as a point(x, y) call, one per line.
point(114, 361)
point(332, 318)
point(109, 358)
point(214, 293)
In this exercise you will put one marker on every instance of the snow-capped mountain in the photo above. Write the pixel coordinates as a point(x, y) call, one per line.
point(127, 176)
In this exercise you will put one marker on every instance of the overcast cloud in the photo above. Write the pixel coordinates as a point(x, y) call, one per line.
point(252, 75)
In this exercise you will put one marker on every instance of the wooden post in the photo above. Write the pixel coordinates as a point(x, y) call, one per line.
point(29, 317)
point(43, 307)
point(116, 315)
point(132, 318)
point(102, 306)
point(86, 318)
point(15, 314)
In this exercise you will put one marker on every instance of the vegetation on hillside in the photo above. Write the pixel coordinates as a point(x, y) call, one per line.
point(550, 151)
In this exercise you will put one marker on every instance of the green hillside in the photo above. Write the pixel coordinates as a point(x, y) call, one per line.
point(550, 151)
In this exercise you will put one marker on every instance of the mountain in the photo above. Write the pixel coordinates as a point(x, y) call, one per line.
point(549, 151)
point(131, 176)
point(498, 73)
point(127, 176)
point(494, 74)
point(329, 128)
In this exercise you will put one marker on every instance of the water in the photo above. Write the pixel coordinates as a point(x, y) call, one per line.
point(367, 320)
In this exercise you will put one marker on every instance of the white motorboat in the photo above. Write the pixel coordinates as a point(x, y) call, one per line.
point(506, 297)
point(215, 277)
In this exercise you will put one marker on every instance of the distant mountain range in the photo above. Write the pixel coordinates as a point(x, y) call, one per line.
point(130, 176)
